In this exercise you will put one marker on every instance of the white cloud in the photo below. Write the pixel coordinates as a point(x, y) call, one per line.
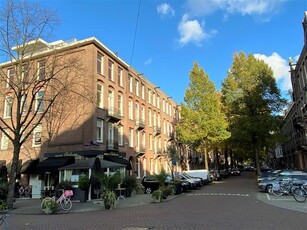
point(192, 31)
point(165, 9)
point(280, 69)
point(243, 7)
point(148, 61)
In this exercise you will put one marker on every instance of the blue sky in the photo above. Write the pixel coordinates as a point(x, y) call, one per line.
point(171, 35)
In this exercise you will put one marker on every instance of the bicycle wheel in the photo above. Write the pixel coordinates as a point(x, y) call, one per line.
point(66, 204)
point(299, 195)
point(277, 192)
point(43, 204)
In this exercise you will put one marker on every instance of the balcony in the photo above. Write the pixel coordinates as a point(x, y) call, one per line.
point(140, 150)
point(171, 136)
point(298, 123)
point(140, 124)
point(157, 130)
point(113, 115)
point(158, 153)
point(112, 145)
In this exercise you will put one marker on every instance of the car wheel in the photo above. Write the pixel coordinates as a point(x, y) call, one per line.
point(148, 190)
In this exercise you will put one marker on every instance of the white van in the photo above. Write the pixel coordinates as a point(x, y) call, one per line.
point(201, 173)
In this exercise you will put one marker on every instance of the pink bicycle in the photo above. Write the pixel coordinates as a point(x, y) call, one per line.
point(63, 201)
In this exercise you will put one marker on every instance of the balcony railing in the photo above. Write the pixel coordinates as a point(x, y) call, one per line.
point(114, 114)
point(112, 145)
point(157, 130)
point(140, 150)
point(140, 124)
point(171, 136)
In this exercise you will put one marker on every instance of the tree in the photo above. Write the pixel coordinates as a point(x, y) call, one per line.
point(36, 84)
point(202, 125)
point(172, 156)
point(252, 102)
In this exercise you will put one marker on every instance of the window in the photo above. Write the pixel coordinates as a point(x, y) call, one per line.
point(159, 123)
point(130, 137)
point(158, 102)
point(39, 101)
point(110, 70)
point(41, 71)
point(111, 100)
point(121, 135)
point(23, 104)
point(120, 104)
point(166, 107)
point(99, 102)
point(130, 84)
point(10, 76)
point(137, 111)
point(4, 141)
point(120, 76)
point(150, 141)
point(143, 91)
point(130, 108)
point(37, 135)
point(143, 113)
point(8, 106)
point(137, 140)
point(154, 119)
point(143, 139)
point(149, 118)
point(99, 130)
point(149, 96)
point(163, 105)
point(99, 63)
point(170, 110)
point(151, 165)
point(154, 99)
point(137, 88)
point(25, 75)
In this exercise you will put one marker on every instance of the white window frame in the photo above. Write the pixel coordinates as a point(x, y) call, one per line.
point(4, 141)
point(130, 79)
point(137, 111)
point(137, 90)
point(120, 76)
point(99, 130)
point(39, 107)
point(37, 136)
point(131, 136)
point(143, 91)
point(100, 60)
point(111, 99)
point(120, 135)
point(120, 104)
point(10, 76)
point(130, 109)
point(149, 96)
point(149, 118)
point(110, 70)
point(8, 106)
point(99, 102)
point(23, 104)
point(150, 141)
point(154, 99)
point(41, 70)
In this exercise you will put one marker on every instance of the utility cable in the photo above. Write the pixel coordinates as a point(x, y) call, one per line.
point(136, 27)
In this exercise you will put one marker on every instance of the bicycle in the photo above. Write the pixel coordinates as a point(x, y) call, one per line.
point(283, 188)
point(300, 193)
point(63, 201)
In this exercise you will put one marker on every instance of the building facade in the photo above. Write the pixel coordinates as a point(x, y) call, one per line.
point(294, 149)
point(119, 114)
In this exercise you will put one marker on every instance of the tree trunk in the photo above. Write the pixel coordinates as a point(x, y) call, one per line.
point(12, 176)
point(206, 158)
point(257, 160)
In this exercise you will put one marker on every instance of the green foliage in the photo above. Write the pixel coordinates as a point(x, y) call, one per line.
point(109, 198)
point(161, 177)
point(49, 206)
point(84, 183)
point(129, 182)
point(3, 205)
point(203, 124)
point(109, 182)
point(157, 194)
point(251, 102)
point(167, 190)
point(3, 190)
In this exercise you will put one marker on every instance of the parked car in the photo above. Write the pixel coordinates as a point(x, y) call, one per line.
point(216, 174)
point(266, 183)
point(200, 173)
point(224, 173)
point(248, 168)
point(235, 172)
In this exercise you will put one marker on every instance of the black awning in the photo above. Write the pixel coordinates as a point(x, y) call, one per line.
point(52, 164)
point(119, 160)
point(89, 152)
point(29, 167)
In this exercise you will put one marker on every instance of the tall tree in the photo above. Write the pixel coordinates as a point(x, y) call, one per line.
point(202, 125)
point(252, 103)
point(32, 85)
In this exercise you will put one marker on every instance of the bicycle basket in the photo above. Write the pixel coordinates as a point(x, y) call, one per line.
point(68, 193)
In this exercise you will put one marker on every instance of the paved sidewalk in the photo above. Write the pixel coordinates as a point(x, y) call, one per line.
point(32, 206)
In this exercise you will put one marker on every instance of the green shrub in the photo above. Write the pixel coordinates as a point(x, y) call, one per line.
point(49, 206)
point(84, 183)
point(3, 205)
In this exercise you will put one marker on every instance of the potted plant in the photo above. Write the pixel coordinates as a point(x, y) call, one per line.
point(156, 195)
point(109, 199)
point(3, 206)
point(83, 185)
point(129, 183)
point(66, 185)
point(49, 206)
